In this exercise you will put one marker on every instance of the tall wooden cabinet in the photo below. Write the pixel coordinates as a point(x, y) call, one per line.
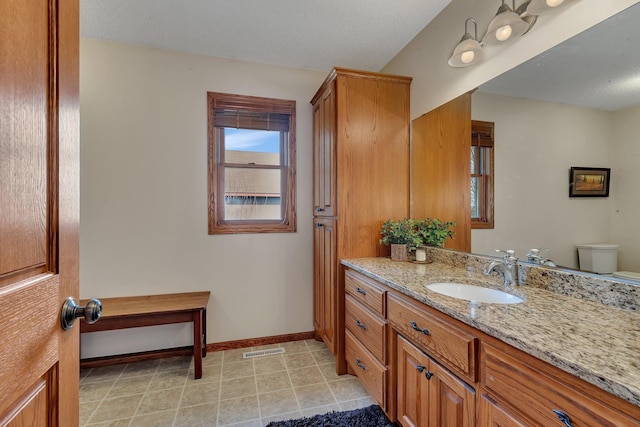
point(361, 179)
point(441, 168)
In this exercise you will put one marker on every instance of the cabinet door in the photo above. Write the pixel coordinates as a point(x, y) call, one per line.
point(492, 415)
point(452, 401)
point(428, 394)
point(324, 154)
point(325, 281)
point(413, 385)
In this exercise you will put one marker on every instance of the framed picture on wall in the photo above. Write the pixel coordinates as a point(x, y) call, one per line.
point(589, 182)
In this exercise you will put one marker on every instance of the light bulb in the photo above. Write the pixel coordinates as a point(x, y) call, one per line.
point(467, 57)
point(554, 3)
point(503, 33)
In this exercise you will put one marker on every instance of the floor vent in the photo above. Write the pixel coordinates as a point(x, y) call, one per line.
point(259, 353)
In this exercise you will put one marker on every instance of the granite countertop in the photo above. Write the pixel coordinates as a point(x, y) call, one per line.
point(595, 342)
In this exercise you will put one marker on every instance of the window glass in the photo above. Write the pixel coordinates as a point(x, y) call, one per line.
point(251, 164)
point(482, 142)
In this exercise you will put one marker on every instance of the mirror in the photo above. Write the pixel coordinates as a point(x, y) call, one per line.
point(578, 104)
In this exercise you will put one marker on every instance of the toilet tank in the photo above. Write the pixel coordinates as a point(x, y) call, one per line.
point(600, 258)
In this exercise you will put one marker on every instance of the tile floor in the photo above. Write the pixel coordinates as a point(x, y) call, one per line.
point(232, 391)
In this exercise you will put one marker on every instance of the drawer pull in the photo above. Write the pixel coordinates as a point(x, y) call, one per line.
point(361, 325)
point(428, 374)
point(417, 328)
point(421, 368)
point(360, 290)
point(360, 365)
point(563, 417)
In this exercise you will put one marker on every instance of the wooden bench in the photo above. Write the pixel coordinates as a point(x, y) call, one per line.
point(153, 310)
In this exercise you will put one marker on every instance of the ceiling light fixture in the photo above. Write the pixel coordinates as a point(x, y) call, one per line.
point(540, 7)
point(468, 51)
point(506, 25)
point(527, 17)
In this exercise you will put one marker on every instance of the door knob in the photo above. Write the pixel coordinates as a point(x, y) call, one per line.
point(71, 311)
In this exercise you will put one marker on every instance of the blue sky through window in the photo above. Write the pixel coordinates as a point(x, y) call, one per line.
point(252, 140)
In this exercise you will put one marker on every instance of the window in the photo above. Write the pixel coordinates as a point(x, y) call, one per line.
point(481, 174)
point(251, 164)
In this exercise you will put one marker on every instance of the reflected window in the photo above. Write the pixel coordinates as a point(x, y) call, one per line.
point(482, 144)
point(251, 164)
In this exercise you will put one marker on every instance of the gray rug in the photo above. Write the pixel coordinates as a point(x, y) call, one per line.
point(371, 416)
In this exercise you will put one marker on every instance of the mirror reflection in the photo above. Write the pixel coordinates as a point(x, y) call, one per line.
point(577, 104)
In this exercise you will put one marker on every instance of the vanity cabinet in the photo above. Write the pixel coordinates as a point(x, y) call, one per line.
point(433, 358)
point(426, 368)
point(517, 390)
point(366, 334)
point(428, 394)
point(425, 327)
point(360, 179)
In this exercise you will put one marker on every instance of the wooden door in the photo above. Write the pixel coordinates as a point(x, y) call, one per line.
point(413, 392)
point(39, 210)
point(324, 154)
point(325, 264)
point(318, 278)
point(453, 401)
point(441, 168)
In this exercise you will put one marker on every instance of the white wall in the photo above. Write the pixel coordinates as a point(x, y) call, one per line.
point(535, 145)
point(425, 57)
point(144, 196)
point(625, 195)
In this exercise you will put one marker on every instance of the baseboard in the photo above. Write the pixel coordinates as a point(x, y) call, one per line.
point(97, 362)
point(255, 342)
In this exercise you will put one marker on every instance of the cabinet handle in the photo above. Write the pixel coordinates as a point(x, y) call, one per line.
point(361, 325)
point(360, 365)
point(318, 225)
point(319, 210)
point(563, 417)
point(417, 328)
point(360, 290)
point(427, 374)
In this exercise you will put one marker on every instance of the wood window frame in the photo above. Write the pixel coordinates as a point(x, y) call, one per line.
point(482, 135)
point(242, 103)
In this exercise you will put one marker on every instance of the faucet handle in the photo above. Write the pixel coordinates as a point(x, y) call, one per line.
point(509, 253)
point(537, 251)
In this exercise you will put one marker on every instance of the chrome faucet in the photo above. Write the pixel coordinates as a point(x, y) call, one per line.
point(508, 266)
point(535, 257)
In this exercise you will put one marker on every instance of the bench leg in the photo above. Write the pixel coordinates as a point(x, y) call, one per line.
point(204, 333)
point(197, 343)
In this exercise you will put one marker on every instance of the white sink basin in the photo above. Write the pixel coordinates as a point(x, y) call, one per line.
point(474, 293)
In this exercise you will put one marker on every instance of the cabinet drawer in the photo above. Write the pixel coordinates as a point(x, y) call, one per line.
point(368, 328)
point(449, 345)
point(534, 395)
point(372, 374)
point(366, 291)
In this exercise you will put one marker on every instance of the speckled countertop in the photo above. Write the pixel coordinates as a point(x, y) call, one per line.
point(598, 343)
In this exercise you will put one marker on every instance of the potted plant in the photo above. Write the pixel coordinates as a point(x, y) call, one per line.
point(434, 232)
point(402, 235)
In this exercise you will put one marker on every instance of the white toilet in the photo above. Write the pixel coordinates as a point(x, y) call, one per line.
point(602, 258)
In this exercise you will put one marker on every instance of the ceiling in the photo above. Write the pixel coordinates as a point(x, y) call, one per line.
point(309, 34)
point(599, 68)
